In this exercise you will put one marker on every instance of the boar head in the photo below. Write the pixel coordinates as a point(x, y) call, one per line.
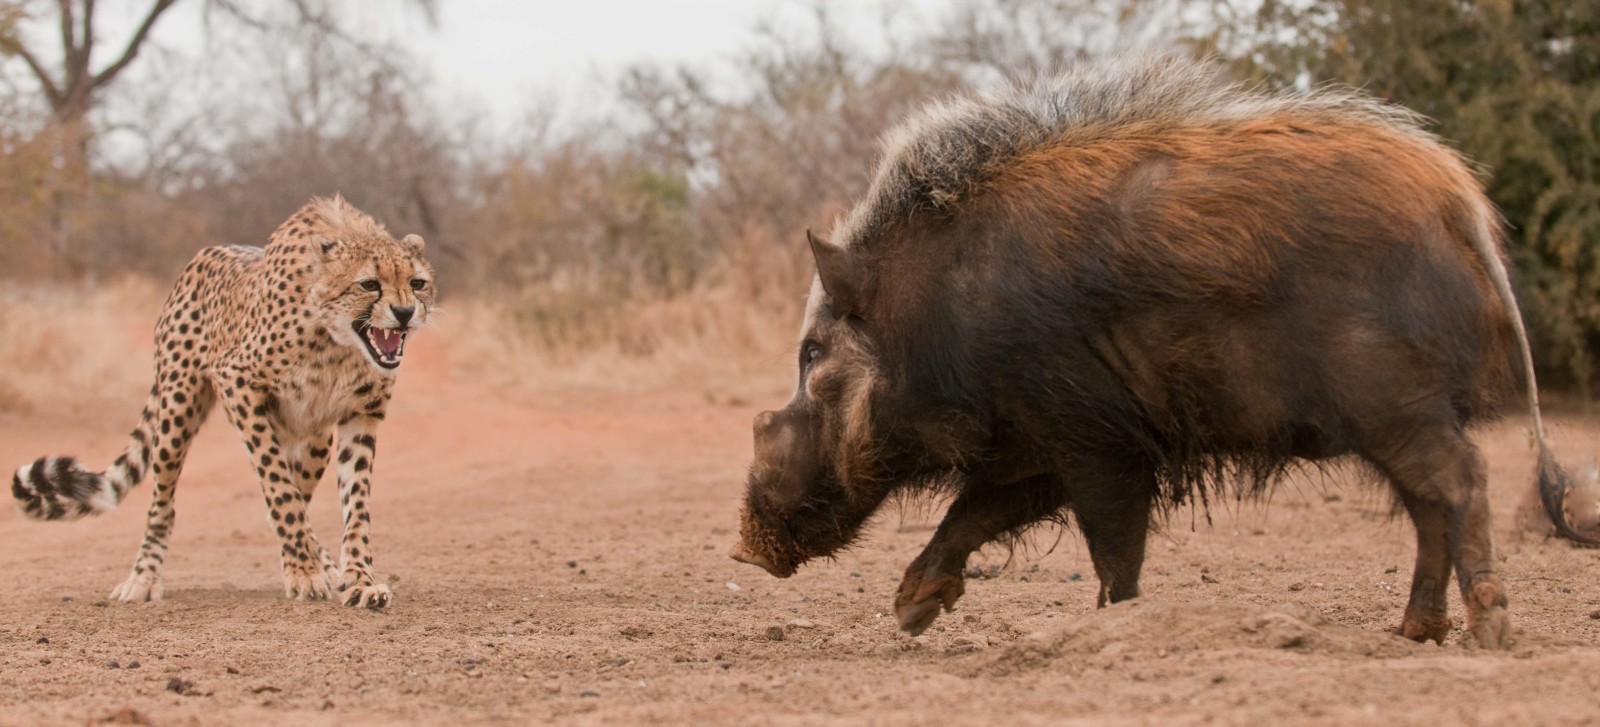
point(825, 461)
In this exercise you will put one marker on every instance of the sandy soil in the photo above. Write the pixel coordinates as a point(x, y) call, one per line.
point(561, 556)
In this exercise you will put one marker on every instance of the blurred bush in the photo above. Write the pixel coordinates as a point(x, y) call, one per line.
point(693, 194)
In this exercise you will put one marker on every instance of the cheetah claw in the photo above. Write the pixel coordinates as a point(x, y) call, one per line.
point(370, 595)
point(138, 588)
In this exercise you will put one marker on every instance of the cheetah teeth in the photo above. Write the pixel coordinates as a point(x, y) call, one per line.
point(387, 343)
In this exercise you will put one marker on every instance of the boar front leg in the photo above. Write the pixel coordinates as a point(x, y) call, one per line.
point(980, 514)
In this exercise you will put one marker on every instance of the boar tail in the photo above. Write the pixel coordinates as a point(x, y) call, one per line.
point(1552, 479)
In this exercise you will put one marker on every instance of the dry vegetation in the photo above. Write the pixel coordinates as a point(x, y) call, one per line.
point(663, 243)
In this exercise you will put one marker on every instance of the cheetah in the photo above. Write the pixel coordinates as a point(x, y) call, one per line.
point(296, 341)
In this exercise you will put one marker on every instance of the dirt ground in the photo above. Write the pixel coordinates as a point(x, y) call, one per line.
point(561, 557)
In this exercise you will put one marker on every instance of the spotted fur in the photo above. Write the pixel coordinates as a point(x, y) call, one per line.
point(297, 341)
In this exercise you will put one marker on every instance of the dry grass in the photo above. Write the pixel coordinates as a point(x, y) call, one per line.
point(713, 339)
point(67, 347)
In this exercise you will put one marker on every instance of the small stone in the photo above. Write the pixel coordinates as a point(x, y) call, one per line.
point(589, 694)
point(66, 598)
point(133, 665)
point(1392, 569)
point(112, 664)
point(179, 687)
point(43, 640)
point(802, 623)
point(1075, 577)
point(732, 586)
point(774, 633)
point(100, 604)
point(1207, 578)
point(1596, 615)
point(1297, 586)
point(232, 670)
point(572, 564)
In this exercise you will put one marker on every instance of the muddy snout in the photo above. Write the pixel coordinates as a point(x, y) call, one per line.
point(744, 554)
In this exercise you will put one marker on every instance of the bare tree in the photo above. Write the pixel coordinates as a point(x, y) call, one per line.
point(72, 88)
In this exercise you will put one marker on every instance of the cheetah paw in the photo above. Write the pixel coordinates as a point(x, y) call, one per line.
point(369, 595)
point(139, 587)
point(306, 583)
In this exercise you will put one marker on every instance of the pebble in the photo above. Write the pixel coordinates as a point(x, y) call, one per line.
point(112, 664)
point(43, 640)
point(589, 693)
point(804, 623)
point(732, 586)
point(133, 665)
point(1596, 614)
point(774, 633)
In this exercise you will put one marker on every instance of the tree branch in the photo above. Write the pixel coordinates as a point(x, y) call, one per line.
point(86, 43)
point(69, 47)
point(132, 51)
point(11, 45)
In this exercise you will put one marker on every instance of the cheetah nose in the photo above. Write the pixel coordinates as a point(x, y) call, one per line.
point(403, 313)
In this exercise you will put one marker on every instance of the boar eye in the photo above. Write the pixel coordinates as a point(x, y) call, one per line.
point(809, 353)
point(371, 286)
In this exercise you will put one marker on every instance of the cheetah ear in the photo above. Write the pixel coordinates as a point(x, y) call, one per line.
point(324, 243)
point(413, 243)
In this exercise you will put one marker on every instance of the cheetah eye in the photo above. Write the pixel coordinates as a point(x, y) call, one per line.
point(371, 286)
point(418, 283)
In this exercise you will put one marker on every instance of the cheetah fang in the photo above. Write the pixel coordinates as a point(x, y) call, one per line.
point(298, 342)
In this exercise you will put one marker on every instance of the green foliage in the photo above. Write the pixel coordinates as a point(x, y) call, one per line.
point(1516, 84)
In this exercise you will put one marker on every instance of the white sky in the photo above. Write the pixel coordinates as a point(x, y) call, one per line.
point(503, 53)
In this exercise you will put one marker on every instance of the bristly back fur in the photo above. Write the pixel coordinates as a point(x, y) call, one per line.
point(938, 155)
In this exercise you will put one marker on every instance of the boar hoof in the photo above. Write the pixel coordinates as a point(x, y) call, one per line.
point(1424, 626)
point(1486, 615)
point(1491, 628)
point(919, 600)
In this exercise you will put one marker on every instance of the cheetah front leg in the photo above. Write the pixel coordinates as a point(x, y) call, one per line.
point(358, 448)
point(308, 459)
point(249, 409)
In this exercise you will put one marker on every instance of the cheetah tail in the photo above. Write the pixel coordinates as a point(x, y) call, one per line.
point(58, 488)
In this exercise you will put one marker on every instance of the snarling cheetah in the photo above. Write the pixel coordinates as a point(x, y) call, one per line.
point(294, 340)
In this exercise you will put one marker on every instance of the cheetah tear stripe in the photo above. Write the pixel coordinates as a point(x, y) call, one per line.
point(58, 488)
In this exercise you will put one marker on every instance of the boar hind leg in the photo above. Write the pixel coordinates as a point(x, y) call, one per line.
point(979, 515)
point(1115, 520)
point(1427, 613)
point(1440, 476)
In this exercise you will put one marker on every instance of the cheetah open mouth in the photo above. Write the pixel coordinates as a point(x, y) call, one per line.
point(385, 344)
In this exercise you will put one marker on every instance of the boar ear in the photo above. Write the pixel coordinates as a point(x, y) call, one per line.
point(413, 243)
point(842, 277)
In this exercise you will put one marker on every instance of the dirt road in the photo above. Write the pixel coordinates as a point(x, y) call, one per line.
point(562, 556)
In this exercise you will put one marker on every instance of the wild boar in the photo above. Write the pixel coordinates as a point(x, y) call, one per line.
point(1135, 285)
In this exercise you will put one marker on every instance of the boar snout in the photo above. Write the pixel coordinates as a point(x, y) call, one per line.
point(743, 554)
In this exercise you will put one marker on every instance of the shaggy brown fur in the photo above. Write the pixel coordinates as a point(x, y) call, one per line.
point(1125, 285)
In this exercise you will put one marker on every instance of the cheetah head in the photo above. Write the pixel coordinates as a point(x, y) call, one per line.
point(373, 293)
